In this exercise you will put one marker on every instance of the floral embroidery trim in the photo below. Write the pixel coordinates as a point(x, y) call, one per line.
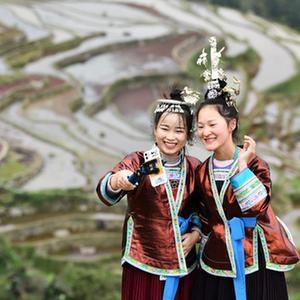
point(174, 207)
point(219, 198)
point(269, 264)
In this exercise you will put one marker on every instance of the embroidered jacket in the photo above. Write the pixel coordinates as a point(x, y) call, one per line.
point(246, 194)
point(151, 236)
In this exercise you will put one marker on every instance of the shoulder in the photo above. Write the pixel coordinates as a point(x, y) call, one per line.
point(133, 160)
point(136, 157)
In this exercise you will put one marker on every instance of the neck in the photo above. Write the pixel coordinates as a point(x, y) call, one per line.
point(225, 153)
point(170, 158)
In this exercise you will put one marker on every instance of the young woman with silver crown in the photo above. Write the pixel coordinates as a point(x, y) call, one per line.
point(245, 248)
point(161, 228)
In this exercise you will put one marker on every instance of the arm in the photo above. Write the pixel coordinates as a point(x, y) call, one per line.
point(252, 185)
point(202, 205)
point(194, 233)
point(114, 185)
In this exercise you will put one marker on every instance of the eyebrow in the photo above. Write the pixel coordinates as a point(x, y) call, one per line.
point(209, 121)
point(177, 127)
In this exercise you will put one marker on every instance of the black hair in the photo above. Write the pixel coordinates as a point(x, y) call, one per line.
point(187, 115)
point(227, 112)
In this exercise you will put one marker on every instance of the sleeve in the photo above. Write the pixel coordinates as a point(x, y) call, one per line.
point(196, 222)
point(191, 207)
point(252, 188)
point(105, 194)
point(130, 162)
point(110, 190)
point(202, 208)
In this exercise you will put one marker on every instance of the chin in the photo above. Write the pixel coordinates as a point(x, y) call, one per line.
point(209, 147)
point(171, 153)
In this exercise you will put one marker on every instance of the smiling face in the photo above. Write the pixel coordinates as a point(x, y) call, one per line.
point(170, 133)
point(214, 131)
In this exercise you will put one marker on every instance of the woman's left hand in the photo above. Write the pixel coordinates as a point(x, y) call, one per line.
point(249, 148)
point(189, 240)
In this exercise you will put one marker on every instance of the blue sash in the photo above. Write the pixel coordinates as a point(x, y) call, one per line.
point(172, 282)
point(237, 228)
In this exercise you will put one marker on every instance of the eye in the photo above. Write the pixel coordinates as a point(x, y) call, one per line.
point(164, 128)
point(200, 126)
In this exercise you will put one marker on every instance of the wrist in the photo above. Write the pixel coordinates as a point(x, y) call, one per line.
point(113, 182)
point(196, 234)
point(242, 166)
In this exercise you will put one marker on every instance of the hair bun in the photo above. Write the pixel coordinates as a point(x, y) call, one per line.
point(176, 95)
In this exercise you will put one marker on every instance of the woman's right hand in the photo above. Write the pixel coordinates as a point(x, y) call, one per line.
point(245, 153)
point(119, 180)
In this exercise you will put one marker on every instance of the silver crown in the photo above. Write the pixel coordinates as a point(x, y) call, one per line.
point(189, 96)
point(168, 105)
point(215, 73)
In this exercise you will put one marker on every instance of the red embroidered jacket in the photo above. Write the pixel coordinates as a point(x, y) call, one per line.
point(151, 237)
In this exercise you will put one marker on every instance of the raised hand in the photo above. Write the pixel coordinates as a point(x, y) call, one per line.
point(249, 148)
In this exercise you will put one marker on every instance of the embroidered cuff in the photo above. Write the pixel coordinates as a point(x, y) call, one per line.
point(108, 193)
point(247, 189)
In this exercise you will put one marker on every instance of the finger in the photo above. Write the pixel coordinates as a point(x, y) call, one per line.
point(251, 146)
point(126, 185)
point(184, 236)
point(249, 140)
point(186, 252)
point(129, 186)
point(249, 143)
point(245, 145)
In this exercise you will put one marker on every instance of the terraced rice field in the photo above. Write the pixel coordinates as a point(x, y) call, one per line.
point(78, 82)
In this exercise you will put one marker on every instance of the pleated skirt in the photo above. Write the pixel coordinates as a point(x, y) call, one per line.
point(140, 285)
point(261, 285)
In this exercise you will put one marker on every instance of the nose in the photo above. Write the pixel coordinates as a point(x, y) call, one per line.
point(170, 136)
point(205, 131)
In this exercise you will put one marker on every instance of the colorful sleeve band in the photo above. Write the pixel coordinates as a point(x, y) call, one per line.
point(247, 189)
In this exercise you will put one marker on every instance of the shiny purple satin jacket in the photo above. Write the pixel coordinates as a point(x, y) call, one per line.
point(152, 244)
point(279, 251)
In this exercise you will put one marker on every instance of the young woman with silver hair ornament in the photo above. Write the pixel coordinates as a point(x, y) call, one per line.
point(161, 228)
point(245, 248)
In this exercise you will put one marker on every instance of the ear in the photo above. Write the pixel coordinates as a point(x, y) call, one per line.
point(154, 134)
point(232, 125)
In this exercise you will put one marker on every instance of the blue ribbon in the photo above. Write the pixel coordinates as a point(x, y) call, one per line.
point(172, 282)
point(237, 228)
point(171, 287)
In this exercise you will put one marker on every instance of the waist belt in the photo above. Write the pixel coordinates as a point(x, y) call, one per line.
point(237, 228)
point(172, 282)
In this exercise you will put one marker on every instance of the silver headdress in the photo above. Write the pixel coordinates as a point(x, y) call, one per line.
point(217, 90)
point(189, 96)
